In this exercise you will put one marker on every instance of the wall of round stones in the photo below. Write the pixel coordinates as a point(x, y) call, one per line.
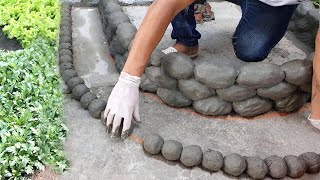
point(233, 164)
point(305, 23)
point(209, 88)
point(76, 85)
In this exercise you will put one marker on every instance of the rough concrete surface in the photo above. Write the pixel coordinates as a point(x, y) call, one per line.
point(94, 155)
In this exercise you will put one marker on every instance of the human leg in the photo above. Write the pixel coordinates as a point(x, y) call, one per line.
point(260, 29)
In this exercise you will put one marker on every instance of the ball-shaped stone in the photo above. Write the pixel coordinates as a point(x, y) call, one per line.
point(313, 161)
point(72, 82)
point(296, 166)
point(178, 65)
point(212, 160)
point(153, 144)
point(234, 164)
point(277, 167)
point(69, 73)
point(171, 150)
point(96, 107)
point(86, 99)
point(79, 90)
point(256, 167)
point(191, 155)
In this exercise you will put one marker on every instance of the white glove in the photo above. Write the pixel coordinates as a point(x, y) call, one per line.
point(123, 104)
point(314, 122)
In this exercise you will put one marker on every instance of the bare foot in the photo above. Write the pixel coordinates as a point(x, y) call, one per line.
point(186, 50)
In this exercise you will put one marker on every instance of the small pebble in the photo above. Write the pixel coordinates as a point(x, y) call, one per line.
point(212, 160)
point(72, 82)
point(191, 156)
point(256, 167)
point(234, 164)
point(277, 166)
point(153, 144)
point(171, 150)
point(313, 162)
point(79, 90)
point(296, 166)
point(69, 73)
point(86, 99)
point(96, 107)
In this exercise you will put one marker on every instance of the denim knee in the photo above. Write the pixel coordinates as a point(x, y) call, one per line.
point(252, 53)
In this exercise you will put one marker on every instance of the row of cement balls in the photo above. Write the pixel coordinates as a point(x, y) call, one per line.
point(233, 164)
point(68, 73)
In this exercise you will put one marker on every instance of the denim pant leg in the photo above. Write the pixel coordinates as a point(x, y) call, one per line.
point(184, 28)
point(260, 29)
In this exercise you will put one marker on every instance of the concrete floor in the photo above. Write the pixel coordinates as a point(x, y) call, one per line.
point(94, 155)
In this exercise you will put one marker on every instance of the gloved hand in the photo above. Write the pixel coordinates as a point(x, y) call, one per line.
point(314, 122)
point(123, 104)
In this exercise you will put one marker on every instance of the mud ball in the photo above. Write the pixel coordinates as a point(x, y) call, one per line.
point(277, 166)
point(65, 33)
point(72, 82)
point(65, 66)
point(312, 161)
point(178, 65)
point(171, 150)
point(65, 39)
point(68, 74)
point(65, 46)
point(256, 167)
point(234, 164)
point(86, 99)
point(96, 107)
point(191, 156)
point(296, 166)
point(65, 58)
point(112, 7)
point(63, 52)
point(153, 144)
point(79, 90)
point(126, 33)
point(298, 72)
point(212, 160)
point(65, 28)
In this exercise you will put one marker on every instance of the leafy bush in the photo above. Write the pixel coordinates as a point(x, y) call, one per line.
point(27, 19)
point(31, 130)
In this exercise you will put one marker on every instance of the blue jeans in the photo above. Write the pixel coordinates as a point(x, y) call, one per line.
point(261, 27)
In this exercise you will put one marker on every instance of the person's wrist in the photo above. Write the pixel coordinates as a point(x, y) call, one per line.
point(129, 79)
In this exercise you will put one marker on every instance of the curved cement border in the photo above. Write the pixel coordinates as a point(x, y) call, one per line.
point(190, 156)
point(253, 90)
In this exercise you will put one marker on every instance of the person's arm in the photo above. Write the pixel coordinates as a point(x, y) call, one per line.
point(154, 25)
point(315, 101)
point(123, 102)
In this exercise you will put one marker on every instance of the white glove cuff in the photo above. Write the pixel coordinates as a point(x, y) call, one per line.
point(314, 122)
point(129, 79)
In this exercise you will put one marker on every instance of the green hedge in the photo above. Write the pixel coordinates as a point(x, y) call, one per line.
point(31, 129)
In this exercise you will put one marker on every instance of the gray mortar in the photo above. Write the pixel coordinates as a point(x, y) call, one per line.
point(296, 166)
point(281, 90)
point(153, 143)
point(171, 150)
point(79, 90)
point(191, 155)
point(253, 106)
point(234, 164)
point(173, 97)
point(194, 89)
point(68, 74)
point(178, 65)
point(236, 93)
point(215, 76)
point(72, 82)
point(256, 167)
point(212, 160)
point(312, 161)
point(86, 99)
point(259, 75)
point(277, 167)
point(298, 72)
point(212, 106)
point(291, 103)
point(96, 107)
point(156, 75)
